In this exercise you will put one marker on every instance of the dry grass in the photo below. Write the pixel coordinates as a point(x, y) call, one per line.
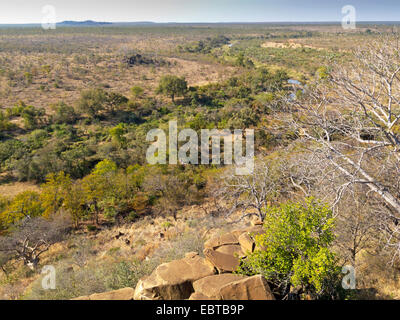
point(103, 66)
point(10, 190)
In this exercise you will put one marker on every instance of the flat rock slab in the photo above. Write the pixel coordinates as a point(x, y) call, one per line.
point(211, 285)
point(223, 262)
point(225, 239)
point(252, 288)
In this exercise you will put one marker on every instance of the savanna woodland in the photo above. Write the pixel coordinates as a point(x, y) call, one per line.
point(77, 193)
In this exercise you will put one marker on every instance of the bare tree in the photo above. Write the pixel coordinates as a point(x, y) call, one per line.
point(5, 257)
point(357, 226)
point(34, 236)
point(350, 122)
point(250, 194)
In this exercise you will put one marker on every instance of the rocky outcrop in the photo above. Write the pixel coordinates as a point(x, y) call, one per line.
point(121, 294)
point(251, 288)
point(138, 59)
point(174, 280)
point(197, 278)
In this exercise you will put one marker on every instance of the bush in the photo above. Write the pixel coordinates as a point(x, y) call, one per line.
point(137, 91)
point(296, 249)
point(64, 113)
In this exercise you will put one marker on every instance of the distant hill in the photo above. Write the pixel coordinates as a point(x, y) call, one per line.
point(82, 23)
point(89, 23)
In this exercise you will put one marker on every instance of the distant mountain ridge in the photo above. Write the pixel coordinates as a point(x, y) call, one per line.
point(99, 23)
point(82, 23)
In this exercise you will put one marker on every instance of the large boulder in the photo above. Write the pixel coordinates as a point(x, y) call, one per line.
point(222, 261)
point(223, 240)
point(121, 294)
point(252, 288)
point(247, 243)
point(209, 286)
point(231, 249)
point(252, 232)
point(173, 280)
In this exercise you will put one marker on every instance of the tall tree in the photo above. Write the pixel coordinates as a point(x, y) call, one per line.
point(172, 86)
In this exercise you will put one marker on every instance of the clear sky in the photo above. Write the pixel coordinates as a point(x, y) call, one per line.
point(30, 11)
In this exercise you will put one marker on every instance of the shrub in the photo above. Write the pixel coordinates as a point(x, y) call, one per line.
point(33, 117)
point(137, 91)
point(296, 249)
point(64, 113)
point(5, 125)
point(91, 228)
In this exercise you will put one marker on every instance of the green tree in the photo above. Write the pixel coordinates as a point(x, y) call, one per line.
point(96, 101)
point(98, 185)
point(74, 202)
point(172, 86)
point(115, 100)
point(54, 192)
point(92, 101)
point(294, 250)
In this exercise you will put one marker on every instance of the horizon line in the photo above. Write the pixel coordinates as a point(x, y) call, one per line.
point(203, 22)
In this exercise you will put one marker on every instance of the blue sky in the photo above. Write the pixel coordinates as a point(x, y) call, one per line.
point(30, 11)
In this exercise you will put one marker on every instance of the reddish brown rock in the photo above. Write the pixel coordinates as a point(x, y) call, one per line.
point(226, 239)
point(121, 294)
point(209, 286)
point(199, 296)
point(173, 280)
point(247, 243)
point(256, 221)
point(252, 288)
point(223, 262)
point(231, 249)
